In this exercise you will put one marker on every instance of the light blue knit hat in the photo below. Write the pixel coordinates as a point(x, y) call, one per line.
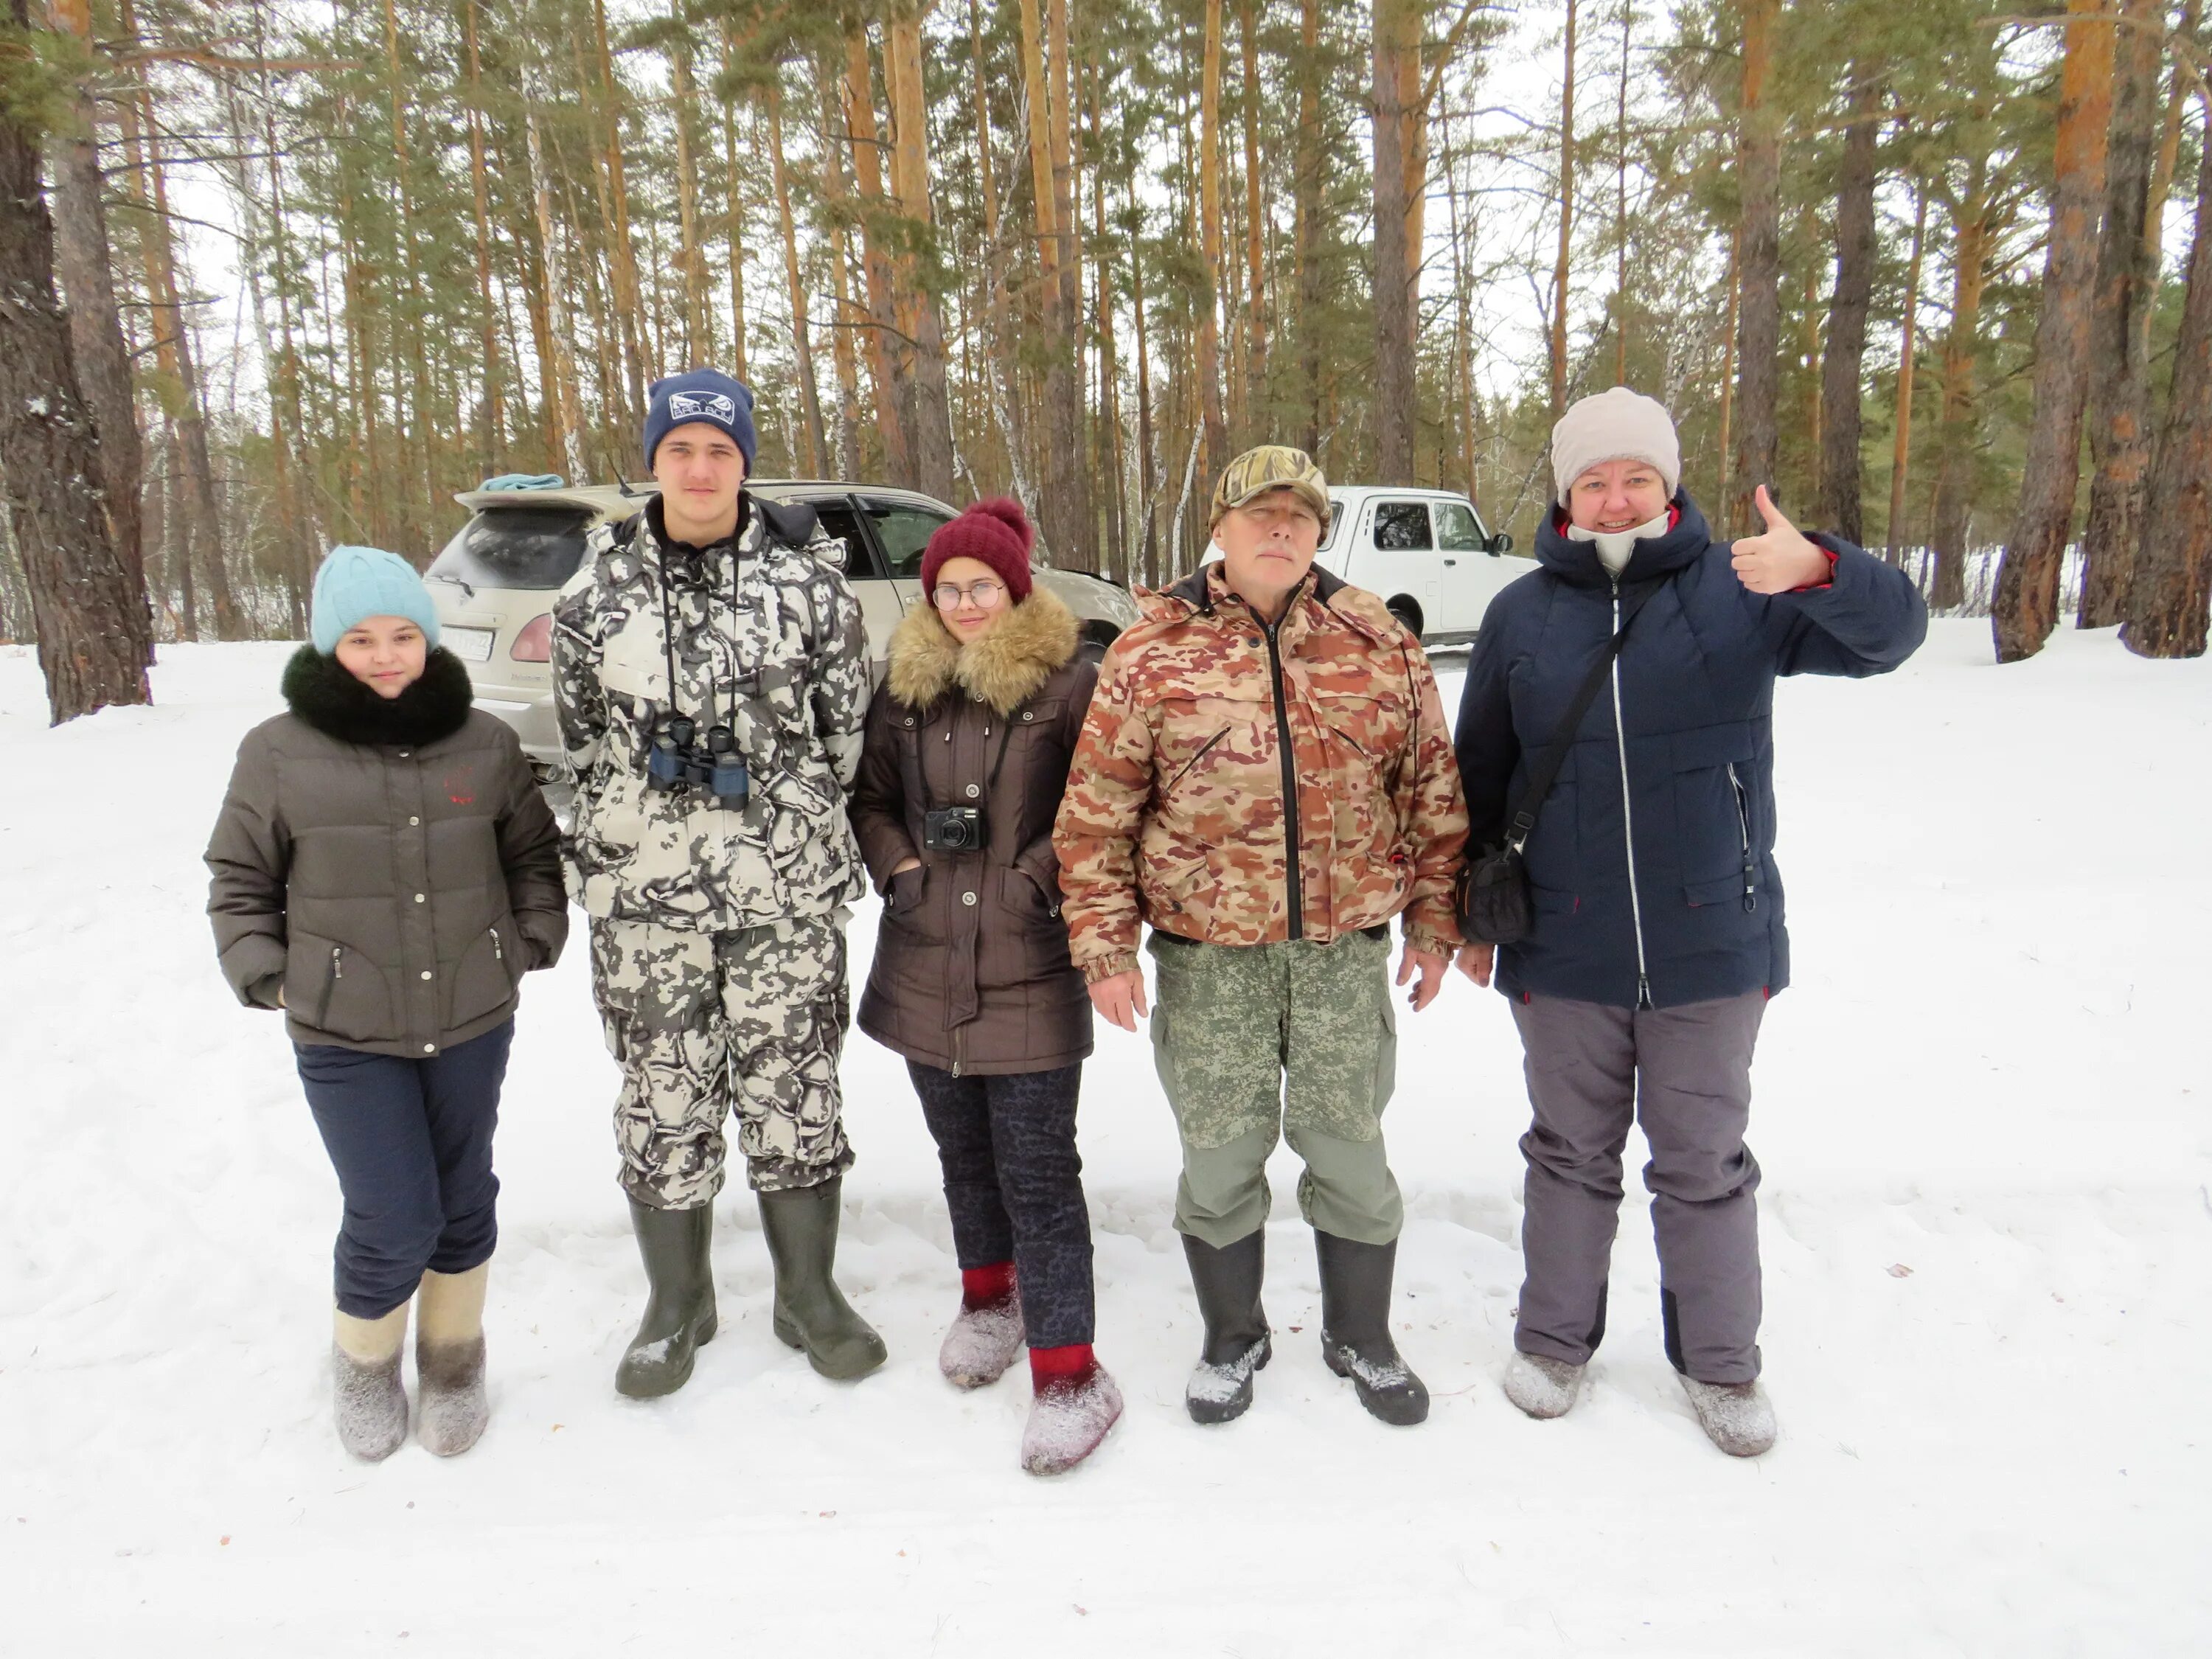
point(357, 583)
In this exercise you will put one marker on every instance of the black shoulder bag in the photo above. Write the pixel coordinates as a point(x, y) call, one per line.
point(1491, 891)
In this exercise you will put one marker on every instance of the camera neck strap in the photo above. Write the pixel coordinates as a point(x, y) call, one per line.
point(707, 601)
point(990, 785)
point(1545, 771)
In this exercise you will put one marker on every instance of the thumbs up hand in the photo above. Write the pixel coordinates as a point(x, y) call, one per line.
point(1780, 559)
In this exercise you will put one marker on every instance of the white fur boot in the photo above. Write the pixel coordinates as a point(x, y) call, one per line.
point(449, 1360)
point(371, 1406)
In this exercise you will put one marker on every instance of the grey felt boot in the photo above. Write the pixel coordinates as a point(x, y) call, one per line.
point(1736, 1417)
point(1541, 1385)
point(449, 1361)
point(370, 1405)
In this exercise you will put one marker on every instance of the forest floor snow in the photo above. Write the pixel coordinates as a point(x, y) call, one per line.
point(1987, 1229)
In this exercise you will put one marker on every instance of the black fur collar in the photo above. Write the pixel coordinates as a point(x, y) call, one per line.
point(328, 698)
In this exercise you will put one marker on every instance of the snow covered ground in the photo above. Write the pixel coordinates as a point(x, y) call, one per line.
point(1988, 1236)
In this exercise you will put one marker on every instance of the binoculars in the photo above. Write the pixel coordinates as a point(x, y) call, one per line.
point(675, 761)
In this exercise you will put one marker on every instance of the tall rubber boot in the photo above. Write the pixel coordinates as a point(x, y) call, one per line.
point(449, 1360)
point(1355, 1328)
point(811, 1311)
point(1227, 1281)
point(369, 1404)
point(677, 1246)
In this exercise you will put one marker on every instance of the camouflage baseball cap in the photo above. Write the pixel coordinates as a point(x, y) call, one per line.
point(1270, 466)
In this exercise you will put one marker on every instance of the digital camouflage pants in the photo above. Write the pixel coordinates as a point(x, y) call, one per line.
point(1297, 1041)
point(703, 1022)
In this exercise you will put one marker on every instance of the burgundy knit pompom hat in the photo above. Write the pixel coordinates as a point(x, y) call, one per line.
point(996, 532)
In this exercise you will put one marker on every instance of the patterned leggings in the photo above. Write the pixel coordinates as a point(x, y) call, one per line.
point(1014, 1183)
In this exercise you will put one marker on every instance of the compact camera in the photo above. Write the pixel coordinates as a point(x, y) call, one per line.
point(675, 761)
point(953, 829)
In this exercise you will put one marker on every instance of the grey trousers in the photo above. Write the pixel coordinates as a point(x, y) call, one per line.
point(1685, 1074)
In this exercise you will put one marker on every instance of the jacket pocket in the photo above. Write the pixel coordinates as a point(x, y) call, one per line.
point(484, 978)
point(1715, 823)
point(332, 988)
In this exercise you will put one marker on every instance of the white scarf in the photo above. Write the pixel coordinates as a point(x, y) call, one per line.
point(1613, 546)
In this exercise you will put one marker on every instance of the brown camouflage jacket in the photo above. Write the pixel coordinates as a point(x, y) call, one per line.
point(1206, 755)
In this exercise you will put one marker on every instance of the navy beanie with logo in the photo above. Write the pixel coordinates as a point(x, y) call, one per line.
point(704, 394)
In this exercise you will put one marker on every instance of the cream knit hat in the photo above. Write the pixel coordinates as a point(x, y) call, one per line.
point(1616, 425)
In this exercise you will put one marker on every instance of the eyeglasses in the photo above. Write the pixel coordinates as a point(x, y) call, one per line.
point(987, 594)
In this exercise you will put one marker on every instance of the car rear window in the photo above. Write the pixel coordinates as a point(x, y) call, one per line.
point(515, 547)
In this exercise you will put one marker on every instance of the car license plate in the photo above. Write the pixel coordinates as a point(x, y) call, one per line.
point(469, 644)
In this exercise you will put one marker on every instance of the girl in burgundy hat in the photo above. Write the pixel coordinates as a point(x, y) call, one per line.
point(965, 760)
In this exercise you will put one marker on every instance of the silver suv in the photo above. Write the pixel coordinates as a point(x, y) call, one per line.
point(495, 582)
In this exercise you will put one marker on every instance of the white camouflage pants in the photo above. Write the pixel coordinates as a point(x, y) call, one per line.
point(700, 1022)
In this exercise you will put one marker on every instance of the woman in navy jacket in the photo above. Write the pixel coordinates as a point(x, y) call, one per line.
point(1658, 935)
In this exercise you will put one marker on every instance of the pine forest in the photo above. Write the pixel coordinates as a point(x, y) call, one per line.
point(279, 274)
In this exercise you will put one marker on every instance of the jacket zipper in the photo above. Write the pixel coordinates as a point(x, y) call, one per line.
point(1743, 828)
point(497, 950)
point(1628, 818)
point(331, 985)
point(1293, 889)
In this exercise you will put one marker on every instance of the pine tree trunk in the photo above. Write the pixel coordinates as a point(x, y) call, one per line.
point(1397, 34)
point(933, 408)
point(698, 314)
point(2026, 609)
point(1148, 482)
point(85, 263)
point(87, 610)
point(1306, 231)
point(565, 426)
point(1258, 416)
point(1758, 165)
point(1620, 211)
point(1064, 523)
point(886, 346)
point(1839, 506)
point(1078, 546)
point(999, 344)
point(1901, 459)
point(736, 214)
point(495, 409)
point(174, 355)
point(1116, 560)
point(837, 193)
point(621, 260)
point(1560, 270)
point(2127, 287)
point(1213, 454)
point(810, 398)
point(1959, 423)
point(2171, 590)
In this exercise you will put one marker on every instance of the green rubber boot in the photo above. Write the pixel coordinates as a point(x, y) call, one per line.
point(677, 1246)
point(811, 1311)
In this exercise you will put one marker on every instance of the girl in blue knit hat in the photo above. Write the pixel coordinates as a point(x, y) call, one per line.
point(385, 872)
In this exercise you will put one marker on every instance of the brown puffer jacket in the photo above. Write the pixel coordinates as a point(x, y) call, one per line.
point(971, 973)
point(389, 866)
point(1217, 746)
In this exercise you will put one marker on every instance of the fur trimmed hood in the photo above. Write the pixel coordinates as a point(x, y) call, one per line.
point(321, 692)
point(1004, 668)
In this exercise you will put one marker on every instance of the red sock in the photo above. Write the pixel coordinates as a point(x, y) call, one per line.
point(981, 1286)
point(1070, 1364)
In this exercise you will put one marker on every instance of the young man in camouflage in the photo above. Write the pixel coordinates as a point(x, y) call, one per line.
point(1266, 778)
point(714, 627)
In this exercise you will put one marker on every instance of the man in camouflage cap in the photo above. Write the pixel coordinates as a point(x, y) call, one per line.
point(1266, 778)
point(711, 677)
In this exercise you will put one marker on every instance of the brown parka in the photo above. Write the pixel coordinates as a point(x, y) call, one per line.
point(390, 867)
point(971, 973)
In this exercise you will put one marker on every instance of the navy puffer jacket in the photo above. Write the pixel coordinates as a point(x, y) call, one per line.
point(1652, 863)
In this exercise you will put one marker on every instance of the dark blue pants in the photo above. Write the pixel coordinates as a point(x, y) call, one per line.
point(412, 1142)
point(1014, 1183)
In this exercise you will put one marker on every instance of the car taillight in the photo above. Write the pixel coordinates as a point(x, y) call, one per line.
point(535, 642)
